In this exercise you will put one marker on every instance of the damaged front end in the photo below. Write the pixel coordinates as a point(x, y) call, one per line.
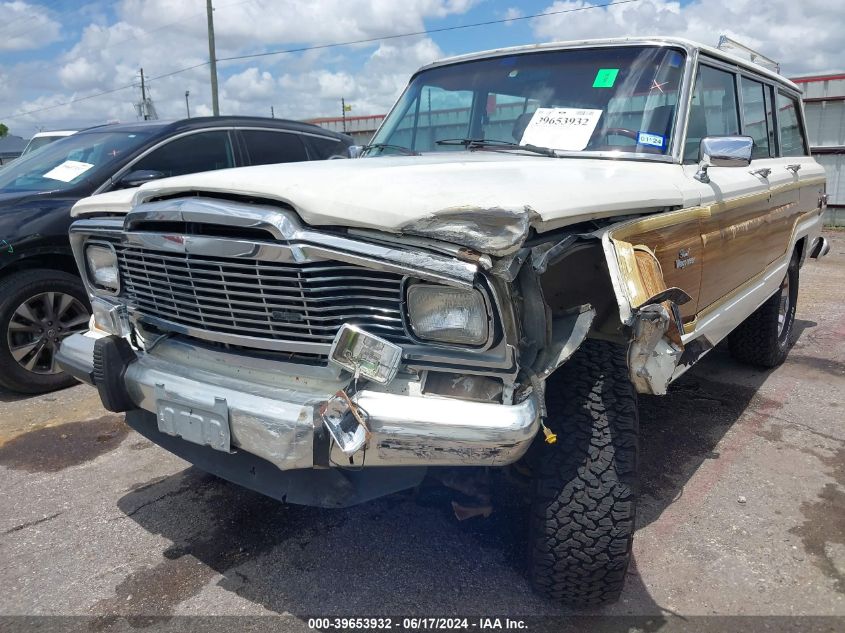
point(236, 329)
point(571, 284)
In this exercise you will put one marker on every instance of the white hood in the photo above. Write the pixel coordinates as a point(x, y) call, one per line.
point(389, 193)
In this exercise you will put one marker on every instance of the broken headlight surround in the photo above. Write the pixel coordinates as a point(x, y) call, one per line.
point(445, 314)
point(102, 267)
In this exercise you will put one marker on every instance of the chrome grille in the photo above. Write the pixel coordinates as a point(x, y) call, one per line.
point(303, 303)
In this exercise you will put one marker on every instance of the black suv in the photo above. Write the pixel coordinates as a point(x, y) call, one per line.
point(41, 297)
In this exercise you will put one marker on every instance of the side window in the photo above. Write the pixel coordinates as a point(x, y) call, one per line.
point(757, 117)
point(266, 147)
point(326, 147)
point(791, 135)
point(203, 151)
point(713, 111)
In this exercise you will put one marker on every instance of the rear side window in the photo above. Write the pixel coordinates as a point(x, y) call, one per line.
point(757, 118)
point(267, 148)
point(203, 151)
point(714, 109)
point(327, 147)
point(791, 135)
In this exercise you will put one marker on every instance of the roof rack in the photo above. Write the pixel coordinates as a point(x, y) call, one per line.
point(732, 46)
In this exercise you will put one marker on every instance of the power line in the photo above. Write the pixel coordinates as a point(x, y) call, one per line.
point(425, 32)
point(323, 46)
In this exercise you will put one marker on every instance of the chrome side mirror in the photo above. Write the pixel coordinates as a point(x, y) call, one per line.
point(723, 151)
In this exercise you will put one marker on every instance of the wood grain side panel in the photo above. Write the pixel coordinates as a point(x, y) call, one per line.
point(744, 236)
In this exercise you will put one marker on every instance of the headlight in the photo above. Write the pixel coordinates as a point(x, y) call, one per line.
point(450, 315)
point(102, 267)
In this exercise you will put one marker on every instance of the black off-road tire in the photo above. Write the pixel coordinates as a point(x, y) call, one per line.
point(586, 484)
point(761, 340)
point(16, 289)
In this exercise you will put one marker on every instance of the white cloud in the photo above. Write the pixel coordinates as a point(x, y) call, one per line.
point(26, 26)
point(251, 84)
point(803, 36)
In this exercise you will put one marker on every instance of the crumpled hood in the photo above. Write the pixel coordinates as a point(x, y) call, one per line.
point(424, 194)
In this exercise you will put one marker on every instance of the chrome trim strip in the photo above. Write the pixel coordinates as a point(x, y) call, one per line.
point(301, 244)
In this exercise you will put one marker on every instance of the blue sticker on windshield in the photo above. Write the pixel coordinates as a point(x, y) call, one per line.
point(676, 59)
point(646, 138)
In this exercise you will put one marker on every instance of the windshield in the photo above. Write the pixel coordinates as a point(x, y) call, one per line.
point(579, 100)
point(66, 162)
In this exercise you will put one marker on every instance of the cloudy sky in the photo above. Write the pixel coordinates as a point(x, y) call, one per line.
point(55, 51)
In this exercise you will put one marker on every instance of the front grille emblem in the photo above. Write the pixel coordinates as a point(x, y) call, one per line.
point(287, 317)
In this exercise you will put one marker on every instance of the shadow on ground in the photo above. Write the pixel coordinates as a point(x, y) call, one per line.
point(384, 557)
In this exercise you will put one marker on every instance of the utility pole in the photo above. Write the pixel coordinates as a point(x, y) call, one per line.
point(145, 108)
point(272, 113)
point(344, 108)
point(187, 105)
point(143, 98)
point(212, 58)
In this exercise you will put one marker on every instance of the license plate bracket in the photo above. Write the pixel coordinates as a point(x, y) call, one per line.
point(196, 423)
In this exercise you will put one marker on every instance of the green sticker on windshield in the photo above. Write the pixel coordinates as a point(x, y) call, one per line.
point(605, 78)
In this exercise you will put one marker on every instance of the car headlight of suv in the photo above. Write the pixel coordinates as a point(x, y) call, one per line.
point(102, 267)
point(447, 315)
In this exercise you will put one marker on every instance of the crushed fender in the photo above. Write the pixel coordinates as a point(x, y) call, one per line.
point(495, 231)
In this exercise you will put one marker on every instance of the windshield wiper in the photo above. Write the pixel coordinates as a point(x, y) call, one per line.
point(399, 148)
point(479, 143)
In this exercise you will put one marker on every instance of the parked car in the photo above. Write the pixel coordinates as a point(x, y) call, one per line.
point(41, 139)
point(41, 297)
point(536, 235)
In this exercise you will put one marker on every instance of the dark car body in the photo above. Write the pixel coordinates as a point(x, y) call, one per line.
point(34, 222)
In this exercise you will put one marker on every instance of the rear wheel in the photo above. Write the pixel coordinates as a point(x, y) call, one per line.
point(38, 309)
point(585, 485)
point(763, 338)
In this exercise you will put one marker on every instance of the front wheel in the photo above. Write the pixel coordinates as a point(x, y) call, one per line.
point(38, 309)
point(763, 338)
point(585, 485)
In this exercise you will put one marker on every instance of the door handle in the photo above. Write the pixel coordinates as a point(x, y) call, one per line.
point(763, 172)
point(794, 168)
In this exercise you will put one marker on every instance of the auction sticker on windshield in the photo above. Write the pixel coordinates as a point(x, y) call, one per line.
point(68, 170)
point(561, 128)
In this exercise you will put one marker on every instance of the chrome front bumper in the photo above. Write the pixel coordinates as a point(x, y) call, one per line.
point(274, 413)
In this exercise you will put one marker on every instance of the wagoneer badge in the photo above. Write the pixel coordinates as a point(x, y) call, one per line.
point(684, 259)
